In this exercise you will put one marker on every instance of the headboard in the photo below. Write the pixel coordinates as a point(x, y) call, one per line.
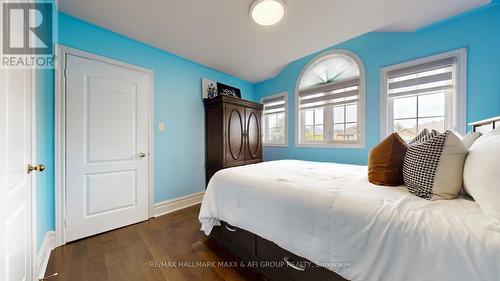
point(486, 125)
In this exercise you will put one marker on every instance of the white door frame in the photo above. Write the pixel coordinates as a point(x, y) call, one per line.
point(60, 133)
point(34, 217)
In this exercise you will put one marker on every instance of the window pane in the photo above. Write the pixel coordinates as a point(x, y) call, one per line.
point(280, 135)
point(431, 105)
point(274, 122)
point(338, 114)
point(318, 133)
point(271, 121)
point(431, 124)
point(330, 69)
point(338, 132)
point(351, 131)
point(276, 135)
point(318, 116)
point(405, 107)
point(309, 117)
point(407, 128)
point(309, 133)
point(351, 113)
point(280, 120)
point(272, 134)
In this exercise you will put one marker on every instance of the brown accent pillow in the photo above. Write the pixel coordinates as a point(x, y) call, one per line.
point(385, 163)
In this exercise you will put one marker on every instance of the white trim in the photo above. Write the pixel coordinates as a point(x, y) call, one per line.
point(34, 161)
point(496, 118)
point(169, 206)
point(280, 94)
point(43, 255)
point(361, 142)
point(60, 132)
point(460, 98)
point(275, 144)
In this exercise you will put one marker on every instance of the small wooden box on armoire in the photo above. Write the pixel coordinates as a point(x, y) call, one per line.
point(233, 133)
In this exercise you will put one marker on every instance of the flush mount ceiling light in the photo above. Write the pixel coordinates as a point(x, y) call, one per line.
point(267, 12)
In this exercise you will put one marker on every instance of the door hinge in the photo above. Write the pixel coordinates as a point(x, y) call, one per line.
point(65, 223)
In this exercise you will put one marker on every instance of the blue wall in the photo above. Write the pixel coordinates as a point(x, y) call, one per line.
point(179, 151)
point(45, 152)
point(478, 31)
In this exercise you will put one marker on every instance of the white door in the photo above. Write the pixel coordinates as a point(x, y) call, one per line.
point(16, 248)
point(107, 146)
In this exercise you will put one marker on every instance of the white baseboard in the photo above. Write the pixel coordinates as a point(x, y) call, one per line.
point(42, 258)
point(173, 205)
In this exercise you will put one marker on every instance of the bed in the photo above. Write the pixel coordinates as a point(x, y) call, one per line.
point(325, 221)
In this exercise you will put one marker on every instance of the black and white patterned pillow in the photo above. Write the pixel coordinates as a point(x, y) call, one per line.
point(425, 135)
point(433, 167)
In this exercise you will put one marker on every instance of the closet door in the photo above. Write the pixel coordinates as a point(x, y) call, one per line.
point(234, 148)
point(253, 135)
point(107, 146)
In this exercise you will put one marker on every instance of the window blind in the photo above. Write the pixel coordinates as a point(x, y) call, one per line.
point(274, 105)
point(330, 94)
point(423, 78)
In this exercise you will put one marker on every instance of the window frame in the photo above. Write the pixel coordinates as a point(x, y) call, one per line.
point(455, 106)
point(263, 121)
point(361, 110)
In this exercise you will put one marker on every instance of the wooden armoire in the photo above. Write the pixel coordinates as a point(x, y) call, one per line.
point(233, 133)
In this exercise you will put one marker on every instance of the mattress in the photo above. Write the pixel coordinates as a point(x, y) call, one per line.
point(330, 214)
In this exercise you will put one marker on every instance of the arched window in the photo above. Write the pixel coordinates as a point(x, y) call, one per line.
point(330, 101)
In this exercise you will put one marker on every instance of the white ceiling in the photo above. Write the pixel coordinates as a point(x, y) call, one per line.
point(221, 35)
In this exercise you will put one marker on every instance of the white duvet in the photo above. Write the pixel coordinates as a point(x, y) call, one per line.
point(330, 214)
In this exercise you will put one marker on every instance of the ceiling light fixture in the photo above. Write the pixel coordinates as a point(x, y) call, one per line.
point(267, 12)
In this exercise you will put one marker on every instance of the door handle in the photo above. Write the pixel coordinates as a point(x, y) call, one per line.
point(38, 168)
point(141, 155)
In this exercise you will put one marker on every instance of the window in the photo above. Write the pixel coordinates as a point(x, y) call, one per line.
point(330, 101)
point(427, 93)
point(275, 119)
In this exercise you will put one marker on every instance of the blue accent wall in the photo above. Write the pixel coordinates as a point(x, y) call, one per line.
point(45, 153)
point(478, 31)
point(179, 151)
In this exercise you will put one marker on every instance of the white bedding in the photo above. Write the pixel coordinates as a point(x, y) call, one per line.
point(330, 214)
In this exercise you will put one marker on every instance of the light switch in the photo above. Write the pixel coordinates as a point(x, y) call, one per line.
point(161, 127)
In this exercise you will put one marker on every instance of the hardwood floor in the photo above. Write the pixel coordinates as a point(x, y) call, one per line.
point(164, 248)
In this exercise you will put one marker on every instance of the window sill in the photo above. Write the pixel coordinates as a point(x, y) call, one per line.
point(358, 145)
point(276, 144)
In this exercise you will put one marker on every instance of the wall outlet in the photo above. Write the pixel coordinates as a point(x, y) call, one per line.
point(161, 127)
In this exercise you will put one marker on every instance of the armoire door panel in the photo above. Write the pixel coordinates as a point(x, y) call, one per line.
point(253, 134)
point(234, 135)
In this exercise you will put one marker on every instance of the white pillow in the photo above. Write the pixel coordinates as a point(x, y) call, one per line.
point(482, 173)
point(470, 138)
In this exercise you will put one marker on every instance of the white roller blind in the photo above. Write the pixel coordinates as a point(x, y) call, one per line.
point(423, 78)
point(274, 105)
point(337, 93)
